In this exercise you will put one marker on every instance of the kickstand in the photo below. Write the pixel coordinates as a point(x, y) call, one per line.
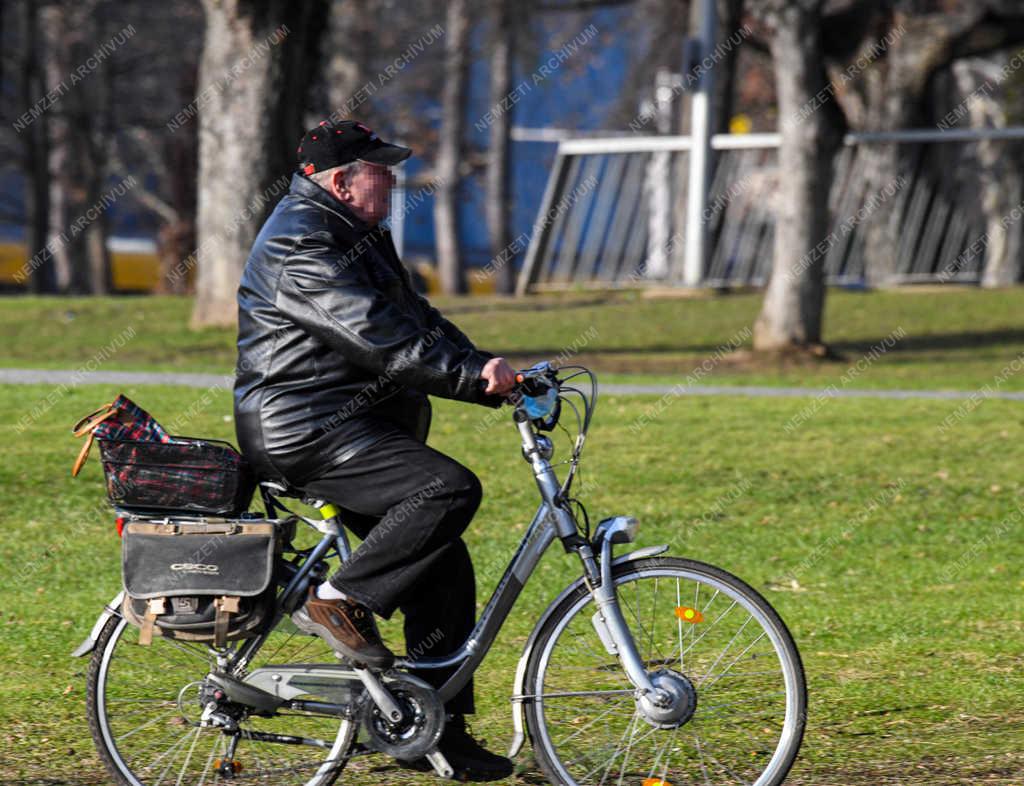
point(440, 764)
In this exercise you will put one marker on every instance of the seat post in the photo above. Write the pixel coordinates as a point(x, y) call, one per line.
point(330, 513)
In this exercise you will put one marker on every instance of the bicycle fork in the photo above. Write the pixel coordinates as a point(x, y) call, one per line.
point(615, 635)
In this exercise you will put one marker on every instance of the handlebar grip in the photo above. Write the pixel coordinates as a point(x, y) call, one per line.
point(532, 386)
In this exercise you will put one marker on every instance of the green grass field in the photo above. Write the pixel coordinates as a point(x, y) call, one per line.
point(956, 339)
point(887, 533)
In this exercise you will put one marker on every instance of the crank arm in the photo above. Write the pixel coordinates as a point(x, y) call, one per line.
point(380, 695)
point(440, 764)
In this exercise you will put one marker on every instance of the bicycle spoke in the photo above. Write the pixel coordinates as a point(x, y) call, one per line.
point(188, 758)
point(145, 725)
point(727, 646)
point(587, 726)
point(176, 744)
point(703, 765)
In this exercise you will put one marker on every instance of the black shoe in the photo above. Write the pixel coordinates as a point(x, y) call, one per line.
point(470, 760)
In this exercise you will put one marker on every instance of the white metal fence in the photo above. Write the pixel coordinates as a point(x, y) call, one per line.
point(908, 206)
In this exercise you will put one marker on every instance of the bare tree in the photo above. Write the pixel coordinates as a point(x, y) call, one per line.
point(35, 151)
point(498, 205)
point(349, 44)
point(453, 98)
point(884, 58)
point(258, 58)
point(791, 316)
point(81, 128)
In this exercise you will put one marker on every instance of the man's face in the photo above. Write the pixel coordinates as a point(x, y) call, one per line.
point(370, 192)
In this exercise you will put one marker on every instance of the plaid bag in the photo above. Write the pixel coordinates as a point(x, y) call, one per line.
point(199, 475)
point(148, 469)
point(120, 419)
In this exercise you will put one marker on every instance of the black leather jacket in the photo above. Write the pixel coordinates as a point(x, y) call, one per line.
point(335, 347)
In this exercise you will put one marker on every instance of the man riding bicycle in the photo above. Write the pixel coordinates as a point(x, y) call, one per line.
point(336, 355)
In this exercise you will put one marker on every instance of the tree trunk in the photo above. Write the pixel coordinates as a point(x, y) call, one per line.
point(80, 121)
point(41, 270)
point(349, 39)
point(66, 265)
point(446, 202)
point(730, 23)
point(791, 316)
point(252, 87)
point(998, 168)
point(176, 238)
point(498, 185)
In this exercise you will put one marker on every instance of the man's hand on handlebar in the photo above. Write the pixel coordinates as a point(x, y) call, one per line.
point(499, 375)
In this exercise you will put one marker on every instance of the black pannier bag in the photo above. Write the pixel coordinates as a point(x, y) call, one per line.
point(208, 581)
point(199, 475)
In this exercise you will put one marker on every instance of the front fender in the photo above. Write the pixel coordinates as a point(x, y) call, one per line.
point(112, 609)
point(518, 714)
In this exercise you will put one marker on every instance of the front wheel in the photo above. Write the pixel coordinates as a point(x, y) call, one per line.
point(708, 639)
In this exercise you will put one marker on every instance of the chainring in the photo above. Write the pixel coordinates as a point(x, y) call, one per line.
point(422, 724)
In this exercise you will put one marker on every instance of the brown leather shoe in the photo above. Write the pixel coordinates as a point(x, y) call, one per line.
point(347, 626)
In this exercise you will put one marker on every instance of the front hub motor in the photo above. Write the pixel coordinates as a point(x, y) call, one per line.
point(677, 705)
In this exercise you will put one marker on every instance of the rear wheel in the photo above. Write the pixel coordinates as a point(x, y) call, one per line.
point(144, 705)
point(707, 638)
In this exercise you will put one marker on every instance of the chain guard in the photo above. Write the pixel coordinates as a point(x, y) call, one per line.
point(421, 729)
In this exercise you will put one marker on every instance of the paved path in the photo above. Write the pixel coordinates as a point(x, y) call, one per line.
point(24, 376)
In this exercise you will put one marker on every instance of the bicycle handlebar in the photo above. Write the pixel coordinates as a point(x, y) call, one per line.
point(534, 381)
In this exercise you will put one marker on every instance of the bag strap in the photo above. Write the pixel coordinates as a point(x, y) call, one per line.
point(226, 606)
point(87, 426)
point(154, 607)
point(93, 419)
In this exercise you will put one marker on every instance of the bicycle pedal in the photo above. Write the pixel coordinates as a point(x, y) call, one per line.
point(440, 764)
point(227, 768)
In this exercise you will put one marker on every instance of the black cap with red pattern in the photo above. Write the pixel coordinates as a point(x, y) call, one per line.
point(333, 144)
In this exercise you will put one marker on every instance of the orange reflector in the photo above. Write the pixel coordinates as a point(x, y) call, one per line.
point(519, 377)
point(686, 614)
point(656, 782)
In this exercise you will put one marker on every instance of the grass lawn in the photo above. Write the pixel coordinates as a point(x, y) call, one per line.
point(954, 338)
point(891, 544)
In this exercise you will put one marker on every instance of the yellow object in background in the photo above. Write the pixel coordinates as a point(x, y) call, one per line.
point(134, 266)
point(740, 124)
point(12, 259)
point(479, 282)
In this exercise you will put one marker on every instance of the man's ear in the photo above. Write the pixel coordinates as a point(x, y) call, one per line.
point(340, 185)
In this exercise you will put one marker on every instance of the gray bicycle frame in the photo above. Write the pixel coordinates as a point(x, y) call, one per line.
point(551, 521)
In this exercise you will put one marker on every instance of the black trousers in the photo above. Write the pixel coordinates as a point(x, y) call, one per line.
point(410, 504)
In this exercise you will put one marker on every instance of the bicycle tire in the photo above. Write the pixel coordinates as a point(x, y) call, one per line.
point(120, 771)
point(546, 751)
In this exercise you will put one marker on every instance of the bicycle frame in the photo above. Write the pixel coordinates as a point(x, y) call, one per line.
point(552, 520)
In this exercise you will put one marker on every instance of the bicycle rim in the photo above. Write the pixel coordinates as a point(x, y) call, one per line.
point(143, 710)
point(687, 619)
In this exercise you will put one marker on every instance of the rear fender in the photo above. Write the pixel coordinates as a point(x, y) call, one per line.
point(112, 609)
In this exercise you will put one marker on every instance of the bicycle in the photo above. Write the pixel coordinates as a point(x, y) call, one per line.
point(647, 669)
